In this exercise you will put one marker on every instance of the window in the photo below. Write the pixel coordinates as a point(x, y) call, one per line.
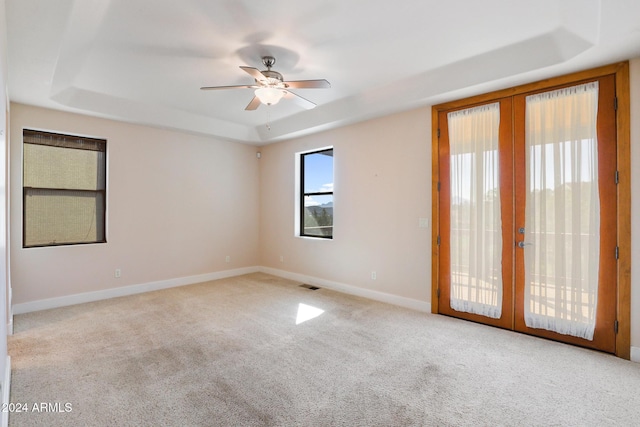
point(64, 186)
point(316, 199)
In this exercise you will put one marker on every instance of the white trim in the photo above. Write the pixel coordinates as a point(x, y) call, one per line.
point(46, 304)
point(10, 316)
point(6, 388)
point(49, 303)
point(352, 290)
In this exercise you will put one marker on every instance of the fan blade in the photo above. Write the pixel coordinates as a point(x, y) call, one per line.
point(255, 73)
point(303, 102)
point(229, 87)
point(308, 84)
point(255, 103)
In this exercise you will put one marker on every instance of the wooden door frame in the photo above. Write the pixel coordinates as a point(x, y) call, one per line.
point(621, 72)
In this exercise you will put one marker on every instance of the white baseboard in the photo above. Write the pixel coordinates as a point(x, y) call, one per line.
point(352, 290)
point(6, 389)
point(46, 304)
point(10, 314)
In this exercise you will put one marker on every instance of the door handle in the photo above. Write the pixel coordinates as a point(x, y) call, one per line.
point(523, 244)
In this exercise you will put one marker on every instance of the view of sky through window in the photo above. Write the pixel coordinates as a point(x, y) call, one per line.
point(318, 177)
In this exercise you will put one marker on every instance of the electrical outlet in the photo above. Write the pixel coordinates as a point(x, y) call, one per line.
point(281, 258)
point(118, 272)
point(373, 275)
point(227, 259)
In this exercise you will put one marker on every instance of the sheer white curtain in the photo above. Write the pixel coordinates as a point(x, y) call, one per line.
point(562, 217)
point(476, 230)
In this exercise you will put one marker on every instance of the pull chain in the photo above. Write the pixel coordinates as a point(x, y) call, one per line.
point(268, 116)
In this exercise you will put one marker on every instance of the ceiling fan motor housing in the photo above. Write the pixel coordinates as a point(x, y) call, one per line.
point(273, 77)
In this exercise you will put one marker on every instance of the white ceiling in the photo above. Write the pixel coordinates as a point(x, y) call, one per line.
point(144, 61)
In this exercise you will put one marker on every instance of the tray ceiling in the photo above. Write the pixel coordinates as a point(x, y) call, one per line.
point(144, 61)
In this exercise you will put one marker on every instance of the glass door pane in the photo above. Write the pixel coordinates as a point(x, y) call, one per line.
point(475, 221)
point(562, 216)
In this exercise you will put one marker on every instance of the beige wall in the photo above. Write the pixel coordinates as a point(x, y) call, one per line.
point(382, 186)
point(177, 205)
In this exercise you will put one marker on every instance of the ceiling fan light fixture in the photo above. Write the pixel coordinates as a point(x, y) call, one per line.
point(269, 95)
point(270, 87)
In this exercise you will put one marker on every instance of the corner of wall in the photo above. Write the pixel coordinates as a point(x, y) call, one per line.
point(384, 297)
point(5, 388)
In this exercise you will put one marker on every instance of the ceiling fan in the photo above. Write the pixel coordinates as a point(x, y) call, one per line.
point(270, 87)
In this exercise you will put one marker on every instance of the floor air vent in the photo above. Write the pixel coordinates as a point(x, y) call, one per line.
point(311, 288)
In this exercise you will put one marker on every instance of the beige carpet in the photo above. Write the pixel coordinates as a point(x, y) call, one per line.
point(230, 353)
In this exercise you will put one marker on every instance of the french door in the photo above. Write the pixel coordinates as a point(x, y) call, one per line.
point(527, 213)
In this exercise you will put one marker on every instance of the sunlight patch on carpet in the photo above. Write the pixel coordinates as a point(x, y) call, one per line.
point(307, 312)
